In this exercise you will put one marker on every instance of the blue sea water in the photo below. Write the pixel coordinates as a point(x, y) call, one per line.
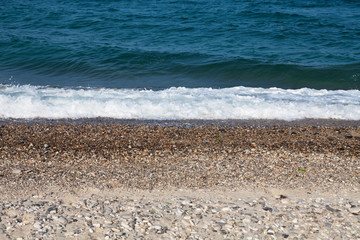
point(180, 59)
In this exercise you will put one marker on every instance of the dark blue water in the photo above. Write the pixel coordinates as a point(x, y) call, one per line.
point(160, 44)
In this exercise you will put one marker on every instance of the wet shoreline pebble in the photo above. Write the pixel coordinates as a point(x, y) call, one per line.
point(150, 157)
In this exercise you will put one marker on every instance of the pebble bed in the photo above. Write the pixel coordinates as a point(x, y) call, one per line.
point(109, 181)
point(180, 215)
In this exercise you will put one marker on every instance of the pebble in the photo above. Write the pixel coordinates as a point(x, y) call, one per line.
point(16, 171)
point(355, 210)
point(37, 225)
point(225, 209)
point(97, 225)
point(246, 221)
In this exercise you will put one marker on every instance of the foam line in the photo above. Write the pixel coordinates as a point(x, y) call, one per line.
point(178, 103)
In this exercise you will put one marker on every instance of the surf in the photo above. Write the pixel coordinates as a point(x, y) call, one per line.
point(178, 103)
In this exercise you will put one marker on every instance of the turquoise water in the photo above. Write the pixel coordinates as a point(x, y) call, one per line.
point(162, 44)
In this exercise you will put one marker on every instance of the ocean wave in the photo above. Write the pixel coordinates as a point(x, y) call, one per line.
point(128, 44)
point(123, 68)
point(30, 102)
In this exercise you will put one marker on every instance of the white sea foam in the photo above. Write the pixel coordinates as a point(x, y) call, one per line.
point(178, 103)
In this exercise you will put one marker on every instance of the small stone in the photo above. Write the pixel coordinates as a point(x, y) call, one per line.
point(125, 225)
point(92, 204)
point(76, 205)
point(37, 225)
point(326, 224)
point(225, 209)
point(355, 210)
point(348, 135)
point(59, 219)
point(221, 223)
point(51, 210)
point(16, 171)
point(108, 222)
point(185, 202)
point(119, 234)
point(280, 196)
point(157, 227)
point(97, 225)
point(331, 209)
point(228, 226)
point(269, 209)
point(62, 220)
point(246, 221)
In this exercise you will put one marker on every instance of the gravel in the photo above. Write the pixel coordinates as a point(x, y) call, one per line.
point(116, 181)
point(181, 214)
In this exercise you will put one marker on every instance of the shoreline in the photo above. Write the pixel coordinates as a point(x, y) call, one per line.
point(190, 122)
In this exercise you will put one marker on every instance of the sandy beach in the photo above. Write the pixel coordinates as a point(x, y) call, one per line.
point(179, 180)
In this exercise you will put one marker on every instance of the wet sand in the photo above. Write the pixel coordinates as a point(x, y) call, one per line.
point(194, 122)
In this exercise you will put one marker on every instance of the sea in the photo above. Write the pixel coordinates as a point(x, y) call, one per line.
point(175, 60)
